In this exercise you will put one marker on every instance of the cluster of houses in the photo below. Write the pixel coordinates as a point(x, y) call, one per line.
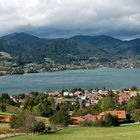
point(86, 97)
point(89, 97)
point(2, 71)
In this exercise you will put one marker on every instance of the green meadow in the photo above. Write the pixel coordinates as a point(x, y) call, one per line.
point(89, 133)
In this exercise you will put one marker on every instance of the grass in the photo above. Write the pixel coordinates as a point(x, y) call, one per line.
point(43, 119)
point(5, 128)
point(4, 114)
point(4, 125)
point(9, 110)
point(86, 133)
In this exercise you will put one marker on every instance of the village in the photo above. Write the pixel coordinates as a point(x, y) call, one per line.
point(84, 98)
point(8, 65)
point(89, 97)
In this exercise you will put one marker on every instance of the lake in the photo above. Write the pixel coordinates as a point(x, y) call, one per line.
point(102, 77)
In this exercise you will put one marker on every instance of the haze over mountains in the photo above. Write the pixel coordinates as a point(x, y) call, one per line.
point(28, 48)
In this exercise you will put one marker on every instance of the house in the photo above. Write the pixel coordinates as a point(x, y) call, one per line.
point(6, 119)
point(91, 117)
point(55, 93)
point(78, 93)
point(123, 99)
point(77, 120)
point(64, 100)
point(82, 97)
point(133, 94)
point(3, 72)
point(66, 93)
point(71, 94)
point(121, 114)
point(87, 104)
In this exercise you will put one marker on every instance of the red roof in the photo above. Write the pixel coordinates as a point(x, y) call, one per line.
point(78, 120)
point(5, 119)
point(121, 114)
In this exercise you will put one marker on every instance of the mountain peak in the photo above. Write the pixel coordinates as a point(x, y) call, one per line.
point(24, 39)
point(16, 35)
point(100, 41)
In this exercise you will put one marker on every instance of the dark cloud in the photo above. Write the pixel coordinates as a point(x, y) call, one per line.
point(63, 18)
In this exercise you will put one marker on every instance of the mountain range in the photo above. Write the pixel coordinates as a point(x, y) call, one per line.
point(27, 48)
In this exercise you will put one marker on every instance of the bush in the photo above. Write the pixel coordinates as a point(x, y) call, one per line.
point(87, 123)
point(16, 122)
point(110, 120)
point(136, 115)
point(99, 123)
point(107, 121)
point(40, 127)
point(60, 118)
point(82, 112)
point(134, 88)
point(26, 122)
point(3, 108)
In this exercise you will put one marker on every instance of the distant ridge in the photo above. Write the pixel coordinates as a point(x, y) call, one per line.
point(29, 48)
point(30, 40)
point(102, 41)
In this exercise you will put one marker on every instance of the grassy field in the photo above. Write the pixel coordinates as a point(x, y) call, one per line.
point(43, 119)
point(9, 110)
point(4, 128)
point(4, 54)
point(4, 114)
point(83, 133)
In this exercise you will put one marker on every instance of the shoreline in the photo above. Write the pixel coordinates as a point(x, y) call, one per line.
point(69, 89)
point(69, 70)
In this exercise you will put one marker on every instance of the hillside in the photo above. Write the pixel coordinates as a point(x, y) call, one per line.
point(28, 48)
point(4, 54)
point(66, 51)
point(89, 133)
point(19, 43)
point(24, 39)
point(104, 42)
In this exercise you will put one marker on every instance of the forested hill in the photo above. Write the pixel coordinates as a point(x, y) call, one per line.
point(28, 48)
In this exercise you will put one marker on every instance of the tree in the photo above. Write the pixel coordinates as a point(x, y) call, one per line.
point(29, 103)
point(133, 108)
point(40, 104)
point(136, 115)
point(82, 112)
point(4, 98)
point(107, 103)
point(112, 94)
point(60, 118)
point(134, 88)
point(110, 120)
point(93, 109)
point(3, 108)
point(25, 121)
point(40, 127)
point(44, 110)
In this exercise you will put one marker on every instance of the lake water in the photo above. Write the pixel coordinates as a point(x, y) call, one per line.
point(103, 77)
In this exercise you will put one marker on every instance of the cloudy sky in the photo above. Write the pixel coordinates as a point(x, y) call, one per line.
point(64, 18)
